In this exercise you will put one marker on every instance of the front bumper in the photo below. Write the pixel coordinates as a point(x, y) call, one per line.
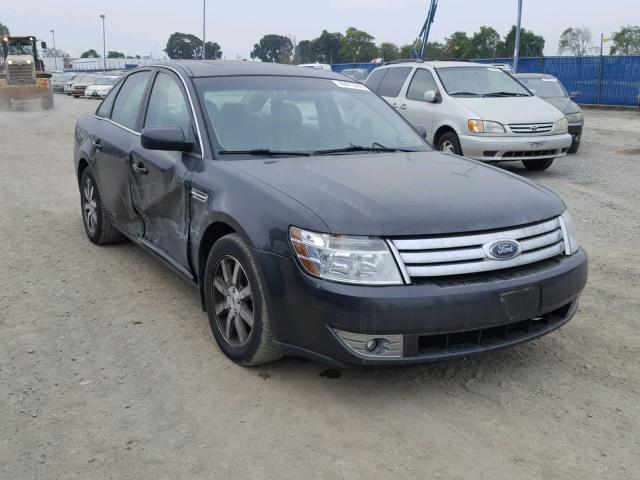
point(494, 149)
point(433, 321)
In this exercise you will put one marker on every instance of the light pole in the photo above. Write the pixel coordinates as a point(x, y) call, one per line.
point(55, 52)
point(516, 49)
point(204, 16)
point(104, 44)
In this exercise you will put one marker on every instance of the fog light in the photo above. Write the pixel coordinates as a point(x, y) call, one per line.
point(371, 345)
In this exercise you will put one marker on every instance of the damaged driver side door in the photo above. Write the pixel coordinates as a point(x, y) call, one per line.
point(160, 179)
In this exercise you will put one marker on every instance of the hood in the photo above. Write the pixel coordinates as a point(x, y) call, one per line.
point(512, 109)
point(564, 104)
point(395, 194)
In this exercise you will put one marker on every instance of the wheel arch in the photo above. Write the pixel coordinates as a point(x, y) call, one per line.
point(83, 164)
point(441, 131)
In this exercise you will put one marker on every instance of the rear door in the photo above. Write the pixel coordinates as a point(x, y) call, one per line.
point(118, 136)
point(160, 179)
point(418, 111)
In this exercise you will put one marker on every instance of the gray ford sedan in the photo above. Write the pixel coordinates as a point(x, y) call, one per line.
point(315, 221)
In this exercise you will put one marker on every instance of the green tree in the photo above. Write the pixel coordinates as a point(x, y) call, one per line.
point(305, 52)
point(327, 46)
point(437, 51)
point(184, 46)
point(626, 41)
point(273, 48)
point(407, 50)
point(531, 45)
point(459, 45)
point(389, 51)
point(575, 40)
point(91, 53)
point(4, 30)
point(114, 54)
point(358, 46)
point(212, 51)
point(485, 42)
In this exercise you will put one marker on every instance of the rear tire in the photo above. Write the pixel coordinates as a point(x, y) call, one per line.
point(450, 143)
point(97, 225)
point(538, 165)
point(236, 303)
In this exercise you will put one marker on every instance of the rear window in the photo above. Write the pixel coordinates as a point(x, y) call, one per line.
point(393, 81)
point(374, 79)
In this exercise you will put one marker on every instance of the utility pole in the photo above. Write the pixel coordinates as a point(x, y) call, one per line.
point(104, 45)
point(516, 50)
point(204, 30)
point(55, 52)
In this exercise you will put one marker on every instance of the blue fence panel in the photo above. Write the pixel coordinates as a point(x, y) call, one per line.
point(610, 80)
point(339, 67)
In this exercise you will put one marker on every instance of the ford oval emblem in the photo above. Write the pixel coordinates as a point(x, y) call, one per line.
point(502, 249)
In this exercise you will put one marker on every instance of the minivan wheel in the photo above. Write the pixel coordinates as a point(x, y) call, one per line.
point(449, 143)
point(575, 145)
point(236, 304)
point(538, 165)
point(94, 216)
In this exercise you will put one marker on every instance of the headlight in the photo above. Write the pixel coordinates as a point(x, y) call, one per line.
point(485, 126)
point(561, 126)
point(360, 260)
point(575, 117)
point(571, 244)
point(10, 62)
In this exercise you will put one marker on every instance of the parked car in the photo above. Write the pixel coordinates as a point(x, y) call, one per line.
point(550, 89)
point(357, 74)
point(473, 110)
point(101, 86)
point(502, 66)
point(316, 221)
point(59, 80)
point(80, 83)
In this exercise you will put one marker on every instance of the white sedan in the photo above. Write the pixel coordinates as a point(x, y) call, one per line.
point(101, 87)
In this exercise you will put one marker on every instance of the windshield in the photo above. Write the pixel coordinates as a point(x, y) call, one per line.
point(301, 115)
point(105, 81)
point(20, 47)
point(480, 82)
point(545, 87)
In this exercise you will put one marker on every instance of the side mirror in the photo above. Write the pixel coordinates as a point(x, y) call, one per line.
point(430, 96)
point(421, 129)
point(43, 45)
point(165, 138)
point(574, 95)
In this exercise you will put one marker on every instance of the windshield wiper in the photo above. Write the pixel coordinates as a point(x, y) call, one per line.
point(264, 151)
point(376, 147)
point(505, 94)
point(453, 94)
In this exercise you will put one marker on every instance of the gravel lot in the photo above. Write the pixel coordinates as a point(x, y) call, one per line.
point(108, 368)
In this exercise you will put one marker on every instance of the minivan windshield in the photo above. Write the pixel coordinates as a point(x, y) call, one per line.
point(475, 81)
point(545, 87)
point(282, 115)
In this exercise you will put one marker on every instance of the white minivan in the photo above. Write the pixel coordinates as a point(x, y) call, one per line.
point(474, 110)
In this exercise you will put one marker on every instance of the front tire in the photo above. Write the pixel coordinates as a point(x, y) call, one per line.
point(97, 225)
point(538, 165)
point(575, 145)
point(449, 143)
point(236, 304)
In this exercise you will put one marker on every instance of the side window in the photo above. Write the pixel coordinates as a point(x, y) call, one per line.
point(422, 82)
point(129, 98)
point(374, 79)
point(167, 105)
point(104, 110)
point(393, 81)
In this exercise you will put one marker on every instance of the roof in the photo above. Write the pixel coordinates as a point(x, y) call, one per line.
point(435, 63)
point(225, 68)
point(533, 75)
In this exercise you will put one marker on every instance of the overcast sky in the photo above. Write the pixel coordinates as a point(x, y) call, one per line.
point(137, 27)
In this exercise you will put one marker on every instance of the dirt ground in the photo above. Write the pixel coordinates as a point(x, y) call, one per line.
point(108, 368)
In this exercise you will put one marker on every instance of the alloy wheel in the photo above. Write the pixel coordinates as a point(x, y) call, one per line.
point(447, 146)
point(232, 301)
point(90, 206)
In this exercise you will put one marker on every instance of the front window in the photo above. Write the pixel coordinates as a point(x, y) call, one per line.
point(480, 82)
point(301, 115)
point(20, 47)
point(545, 87)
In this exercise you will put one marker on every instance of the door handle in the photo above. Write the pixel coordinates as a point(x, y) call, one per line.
point(403, 106)
point(139, 167)
point(97, 144)
point(394, 105)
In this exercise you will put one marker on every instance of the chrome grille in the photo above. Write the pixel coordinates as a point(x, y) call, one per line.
point(466, 254)
point(20, 74)
point(531, 128)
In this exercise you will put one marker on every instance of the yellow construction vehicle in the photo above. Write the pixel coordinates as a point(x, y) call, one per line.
point(22, 75)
